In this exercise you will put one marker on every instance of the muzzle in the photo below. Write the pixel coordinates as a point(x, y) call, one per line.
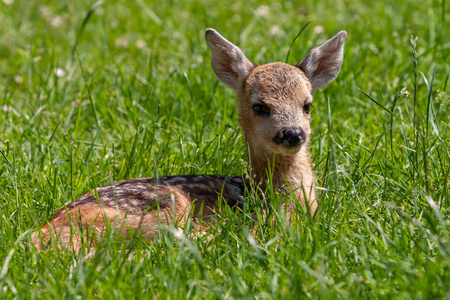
point(291, 137)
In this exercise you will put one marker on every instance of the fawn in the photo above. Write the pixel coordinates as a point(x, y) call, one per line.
point(275, 113)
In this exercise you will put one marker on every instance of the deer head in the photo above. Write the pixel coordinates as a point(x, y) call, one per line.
point(275, 99)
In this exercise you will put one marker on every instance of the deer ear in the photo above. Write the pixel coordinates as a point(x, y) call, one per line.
point(323, 63)
point(227, 60)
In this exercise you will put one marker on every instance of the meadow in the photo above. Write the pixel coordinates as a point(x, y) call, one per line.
point(96, 92)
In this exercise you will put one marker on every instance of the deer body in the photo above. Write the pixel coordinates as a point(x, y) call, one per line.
point(141, 204)
point(274, 101)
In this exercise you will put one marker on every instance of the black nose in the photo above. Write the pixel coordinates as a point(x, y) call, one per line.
point(292, 136)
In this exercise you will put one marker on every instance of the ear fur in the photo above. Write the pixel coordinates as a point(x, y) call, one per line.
point(228, 61)
point(323, 63)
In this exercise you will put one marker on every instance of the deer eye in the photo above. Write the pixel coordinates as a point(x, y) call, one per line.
point(261, 110)
point(307, 108)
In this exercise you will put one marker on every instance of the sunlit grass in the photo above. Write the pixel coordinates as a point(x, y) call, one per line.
point(93, 93)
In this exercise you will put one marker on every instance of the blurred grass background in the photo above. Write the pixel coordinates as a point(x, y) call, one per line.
point(94, 92)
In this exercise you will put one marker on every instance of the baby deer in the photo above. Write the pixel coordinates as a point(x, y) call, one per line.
point(275, 113)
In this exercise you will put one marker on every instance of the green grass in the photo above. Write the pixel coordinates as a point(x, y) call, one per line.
point(138, 98)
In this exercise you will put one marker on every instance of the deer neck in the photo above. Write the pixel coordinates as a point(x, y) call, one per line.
point(287, 172)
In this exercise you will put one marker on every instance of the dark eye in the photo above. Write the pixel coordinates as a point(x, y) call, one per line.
point(307, 108)
point(261, 110)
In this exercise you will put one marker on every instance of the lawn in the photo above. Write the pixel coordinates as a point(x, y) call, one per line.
point(96, 92)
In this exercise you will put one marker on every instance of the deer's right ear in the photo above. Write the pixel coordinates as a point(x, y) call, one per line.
point(227, 60)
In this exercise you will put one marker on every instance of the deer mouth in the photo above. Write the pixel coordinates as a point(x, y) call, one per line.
point(289, 149)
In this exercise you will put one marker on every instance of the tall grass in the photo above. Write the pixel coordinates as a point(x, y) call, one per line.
point(93, 93)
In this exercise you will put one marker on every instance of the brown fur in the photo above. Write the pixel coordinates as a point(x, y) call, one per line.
point(143, 204)
point(140, 204)
point(284, 89)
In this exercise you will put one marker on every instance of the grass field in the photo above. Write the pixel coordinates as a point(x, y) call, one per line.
point(98, 92)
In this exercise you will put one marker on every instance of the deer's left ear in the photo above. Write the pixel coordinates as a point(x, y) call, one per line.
point(323, 63)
